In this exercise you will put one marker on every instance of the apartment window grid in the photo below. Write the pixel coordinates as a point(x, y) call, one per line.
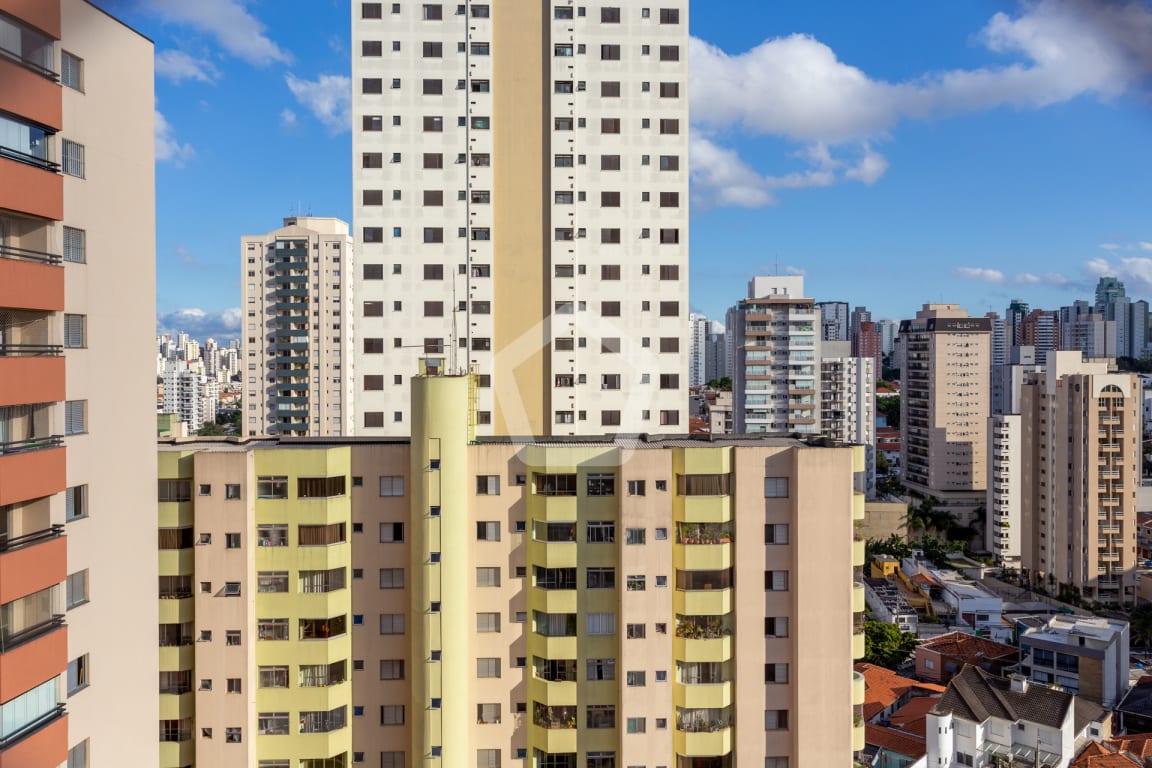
point(72, 157)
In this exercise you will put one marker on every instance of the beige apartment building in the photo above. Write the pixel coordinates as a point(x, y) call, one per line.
point(520, 192)
point(77, 298)
point(1080, 463)
point(452, 600)
point(945, 404)
point(297, 341)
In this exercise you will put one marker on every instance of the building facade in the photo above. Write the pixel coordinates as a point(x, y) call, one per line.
point(1005, 476)
point(848, 401)
point(569, 603)
point(698, 334)
point(944, 405)
point(521, 208)
point(1079, 439)
point(833, 320)
point(777, 365)
point(297, 338)
point(77, 229)
point(1084, 655)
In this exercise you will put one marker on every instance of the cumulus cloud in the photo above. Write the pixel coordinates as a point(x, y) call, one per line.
point(168, 147)
point(328, 97)
point(998, 277)
point(1063, 49)
point(287, 118)
point(228, 21)
point(1134, 271)
point(200, 323)
point(1138, 246)
point(179, 66)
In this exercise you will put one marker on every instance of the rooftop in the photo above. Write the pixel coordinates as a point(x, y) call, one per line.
point(883, 688)
point(894, 741)
point(1066, 629)
point(1098, 755)
point(976, 696)
point(968, 647)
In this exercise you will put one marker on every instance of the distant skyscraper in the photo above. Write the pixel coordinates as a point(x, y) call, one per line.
point(298, 329)
point(999, 339)
point(888, 331)
point(1040, 329)
point(697, 349)
point(1108, 289)
point(859, 315)
point(848, 401)
point(716, 353)
point(833, 320)
point(1013, 318)
point(777, 369)
point(521, 211)
point(866, 342)
point(1084, 329)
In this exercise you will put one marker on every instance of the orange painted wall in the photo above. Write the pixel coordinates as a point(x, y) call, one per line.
point(28, 665)
point(31, 285)
point(42, 14)
point(32, 475)
point(29, 95)
point(33, 568)
point(31, 190)
point(47, 747)
point(31, 380)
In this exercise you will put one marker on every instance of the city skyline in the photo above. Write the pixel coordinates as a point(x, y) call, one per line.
point(1011, 193)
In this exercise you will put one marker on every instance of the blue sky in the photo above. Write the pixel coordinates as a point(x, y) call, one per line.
point(894, 153)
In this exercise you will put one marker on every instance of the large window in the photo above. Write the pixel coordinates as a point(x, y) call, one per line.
point(23, 142)
point(27, 616)
point(272, 535)
point(703, 485)
point(272, 723)
point(75, 245)
point(322, 581)
point(601, 484)
point(272, 487)
point(274, 677)
point(392, 485)
point(322, 675)
point(554, 484)
point(272, 629)
point(322, 629)
point(324, 722)
point(174, 490)
point(30, 47)
point(321, 535)
point(319, 487)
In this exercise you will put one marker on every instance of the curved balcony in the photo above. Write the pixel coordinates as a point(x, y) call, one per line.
point(703, 695)
point(858, 601)
point(858, 512)
point(858, 552)
point(703, 732)
point(705, 509)
point(858, 645)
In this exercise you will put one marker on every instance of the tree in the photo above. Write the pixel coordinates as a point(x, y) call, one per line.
point(723, 384)
point(210, 429)
point(1140, 625)
point(893, 545)
point(885, 645)
point(889, 406)
point(882, 465)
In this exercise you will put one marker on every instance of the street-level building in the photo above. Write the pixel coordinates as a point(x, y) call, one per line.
point(1085, 655)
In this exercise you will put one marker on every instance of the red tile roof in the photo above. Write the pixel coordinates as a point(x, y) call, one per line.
point(968, 647)
point(883, 687)
point(1096, 755)
point(894, 741)
point(1138, 744)
point(910, 718)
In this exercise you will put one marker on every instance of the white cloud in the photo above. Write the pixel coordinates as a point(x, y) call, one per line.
point(200, 323)
point(1146, 246)
point(287, 118)
point(229, 22)
point(793, 270)
point(168, 147)
point(179, 66)
point(998, 277)
point(1110, 246)
point(1134, 271)
point(328, 97)
point(1063, 49)
point(1137, 246)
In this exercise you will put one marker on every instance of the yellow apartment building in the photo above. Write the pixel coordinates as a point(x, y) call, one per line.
point(448, 600)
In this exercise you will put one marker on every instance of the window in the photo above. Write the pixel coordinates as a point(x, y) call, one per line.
point(487, 577)
point(636, 679)
point(78, 755)
point(601, 577)
point(433, 160)
point(634, 535)
point(391, 669)
point(272, 724)
point(776, 487)
point(394, 760)
point(601, 669)
point(610, 163)
point(371, 85)
point(392, 485)
point(320, 487)
point(600, 532)
point(775, 719)
point(391, 623)
point(321, 535)
point(610, 53)
point(77, 589)
point(76, 502)
point(232, 736)
point(74, 245)
point(610, 15)
point(669, 126)
point(487, 485)
point(609, 125)
point(669, 91)
point(669, 381)
point(636, 583)
point(601, 484)
point(776, 581)
point(610, 235)
point(231, 636)
point(669, 53)
point(637, 631)
point(391, 533)
point(72, 156)
point(488, 530)
point(234, 685)
point(488, 758)
point(272, 535)
point(635, 487)
point(488, 622)
point(775, 673)
point(392, 714)
point(610, 418)
point(776, 533)
point(554, 484)
point(669, 237)
point(371, 11)
point(75, 417)
point(273, 677)
point(371, 48)
point(271, 629)
point(272, 581)
point(272, 487)
point(78, 674)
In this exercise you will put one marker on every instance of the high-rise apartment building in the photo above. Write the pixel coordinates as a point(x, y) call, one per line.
point(716, 363)
point(297, 337)
point(1013, 319)
point(999, 345)
point(1040, 329)
point(777, 366)
point(1080, 448)
point(521, 209)
point(77, 297)
point(944, 403)
point(848, 401)
point(459, 600)
point(191, 395)
point(1002, 535)
point(1084, 329)
point(833, 320)
point(698, 328)
point(867, 342)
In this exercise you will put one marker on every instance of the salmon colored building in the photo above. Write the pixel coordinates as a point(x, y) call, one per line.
point(77, 289)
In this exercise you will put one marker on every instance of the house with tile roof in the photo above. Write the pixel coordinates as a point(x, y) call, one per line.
point(985, 720)
point(939, 658)
point(1104, 755)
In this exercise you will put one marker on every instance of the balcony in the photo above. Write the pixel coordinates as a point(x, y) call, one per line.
point(42, 742)
point(31, 562)
point(32, 655)
point(31, 373)
point(26, 283)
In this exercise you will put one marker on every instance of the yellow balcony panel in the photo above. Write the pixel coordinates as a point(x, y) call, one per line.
point(554, 600)
point(700, 649)
point(554, 554)
point(304, 558)
point(858, 601)
point(177, 657)
point(702, 557)
point(703, 744)
point(702, 461)
point(858, 552)
point(859, 459)
point(552, 508)
point(174, 754)
point(858, 506)
point(321, 745)
point(177, 562)
point(552, 647)
point(858, 646)
point(309, 698)
point(177, 610)
point(175, 706)
point(553, 694)
point(857, 688)
point(551, 739)
point(175, 515)
point(707, 696)
point(709, 602)
point(858, 737)
point(704, 509)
